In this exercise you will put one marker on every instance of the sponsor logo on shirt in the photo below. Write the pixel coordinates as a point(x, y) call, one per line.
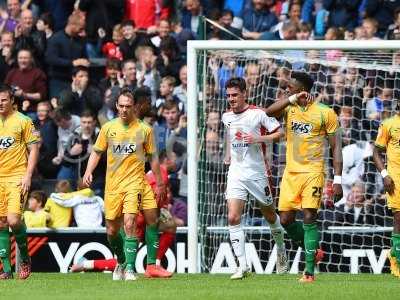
point(124, 149)
point(300, 128)
point(6, 142)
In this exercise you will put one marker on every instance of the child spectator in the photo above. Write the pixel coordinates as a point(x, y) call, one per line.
point(45, 24)
point(166, 93)
point(112, 49)
point(59, 216)
point(113, 73)
point(87, 207)
point(36, 216)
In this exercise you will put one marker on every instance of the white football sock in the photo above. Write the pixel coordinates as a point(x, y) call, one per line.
point(278, 232)
point(236, 235)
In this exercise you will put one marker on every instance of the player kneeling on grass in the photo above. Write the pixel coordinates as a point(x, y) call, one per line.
point(388, 141)
point(245, 127)
point(128, 142)
point(308, 124)
point(166, 225)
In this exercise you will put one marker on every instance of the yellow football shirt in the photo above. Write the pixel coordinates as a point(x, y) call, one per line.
point(389, 138)
point(127, 147)
point(306, 129)
point(16, 132)
point(35, 219)
point(59, 216)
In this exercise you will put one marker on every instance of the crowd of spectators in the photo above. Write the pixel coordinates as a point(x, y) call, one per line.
point(67, 61)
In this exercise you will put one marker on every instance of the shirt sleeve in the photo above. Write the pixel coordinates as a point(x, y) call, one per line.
point(270, 123)
point(383, 136)
point(101, 142)
point(30, 134)
point(332, 123)
point(149, 142)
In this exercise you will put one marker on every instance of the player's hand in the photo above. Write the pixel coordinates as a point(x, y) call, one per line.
point(304, 98)
point(388, 185)
point(248, 138)
point(227, 160)
point(161, 194)
point(337, 192)
point(87, 179)
point(26, 183)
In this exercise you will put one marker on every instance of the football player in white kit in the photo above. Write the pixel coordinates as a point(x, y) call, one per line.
point(247, 128)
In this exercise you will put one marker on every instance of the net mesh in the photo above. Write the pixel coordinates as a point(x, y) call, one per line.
point(360, 86)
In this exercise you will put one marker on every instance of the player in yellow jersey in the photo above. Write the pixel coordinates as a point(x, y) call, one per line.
point(307, 124)
point(128, 142)
point(19, 152)
point(388, 140)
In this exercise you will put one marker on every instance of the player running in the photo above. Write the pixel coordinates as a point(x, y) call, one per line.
point(19, 152)
point(307, 124)
point(246, 126)
point(388, 140)
point(128, 142)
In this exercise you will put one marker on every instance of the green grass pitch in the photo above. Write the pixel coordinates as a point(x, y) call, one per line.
point(203, 286)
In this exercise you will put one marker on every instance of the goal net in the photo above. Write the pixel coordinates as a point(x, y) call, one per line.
point(360, 85)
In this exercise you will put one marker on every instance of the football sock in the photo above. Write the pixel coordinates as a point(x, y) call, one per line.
point(103, 264)
point(396, 247)
point(130, 247)
point(236, 235)
point(151, 237)
point(311, 240)
point(21, 240)
point(278, 232)
point(5, 249)
point(166, 239)
point(117, 246)
point(296, 232)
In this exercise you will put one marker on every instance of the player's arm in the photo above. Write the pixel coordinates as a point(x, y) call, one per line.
point(227, 146)
point(388, 182)
point(268, 138)
point(152, 156)
point(33, 159)
point(161, 191)
point(93, 161)
point(335, 144)
point(381, 143)
point(98, 148)
point(277, 108)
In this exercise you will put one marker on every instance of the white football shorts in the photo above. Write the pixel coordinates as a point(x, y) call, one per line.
point(239, 189)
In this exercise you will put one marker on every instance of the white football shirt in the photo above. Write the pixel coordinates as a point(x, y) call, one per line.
point(247, 160)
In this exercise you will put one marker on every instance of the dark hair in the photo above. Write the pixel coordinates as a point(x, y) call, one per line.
point(78, 69)
point(61, 114)
point(306, 81)
point(163, 155)
point(227, 12)
point(142, 94)
point(88, 114)
point(128, 23)
point(170, 104)
point(6, 88)
point(113, 63)
point(47, 19)
point(40, 196)
point(127, 92)
point(238, 82)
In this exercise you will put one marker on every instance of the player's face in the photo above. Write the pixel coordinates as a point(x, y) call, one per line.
point(126, 108)
point(236, 98)
point(293, 87)
point(6, 104)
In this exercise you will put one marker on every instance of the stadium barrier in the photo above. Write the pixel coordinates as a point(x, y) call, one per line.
point(361, 250)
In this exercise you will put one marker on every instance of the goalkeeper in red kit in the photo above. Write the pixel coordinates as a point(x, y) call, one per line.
point(166, 226)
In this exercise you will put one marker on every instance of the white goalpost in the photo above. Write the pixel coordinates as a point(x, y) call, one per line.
point(344, 72)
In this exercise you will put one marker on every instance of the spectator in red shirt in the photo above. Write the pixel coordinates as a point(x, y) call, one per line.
point(111, 49)
point(29, 82)
point(145, 13)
